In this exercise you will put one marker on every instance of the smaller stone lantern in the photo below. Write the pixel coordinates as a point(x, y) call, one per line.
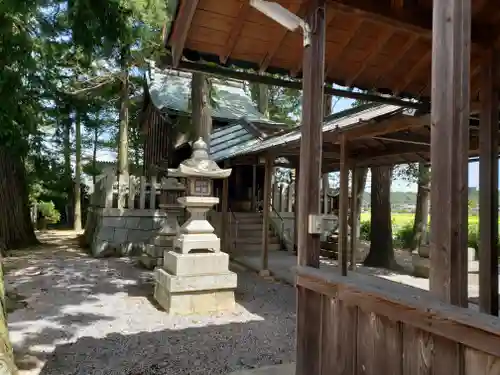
point(195, 277)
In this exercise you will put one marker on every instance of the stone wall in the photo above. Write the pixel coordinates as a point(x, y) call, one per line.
point(113, 231)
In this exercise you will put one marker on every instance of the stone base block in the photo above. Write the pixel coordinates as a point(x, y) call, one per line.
point(195, 283)
point(150, 262)
point(188, 242)
point(194, 302)
point(196, 264)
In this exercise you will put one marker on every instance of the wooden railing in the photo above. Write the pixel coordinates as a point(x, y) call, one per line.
point(367, 325)
point(136, 192)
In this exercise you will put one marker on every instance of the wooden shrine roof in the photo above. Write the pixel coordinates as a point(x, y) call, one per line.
point(376, 135)
point(378, 45)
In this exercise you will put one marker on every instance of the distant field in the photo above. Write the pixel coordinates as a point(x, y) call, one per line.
point(401, 219)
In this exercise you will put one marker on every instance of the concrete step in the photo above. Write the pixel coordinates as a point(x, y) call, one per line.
point(255, 248)
point(255, 240)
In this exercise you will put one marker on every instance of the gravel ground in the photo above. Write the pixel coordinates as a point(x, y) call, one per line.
point(88, 316)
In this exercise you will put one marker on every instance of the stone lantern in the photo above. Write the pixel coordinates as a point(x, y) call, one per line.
point(195, 277)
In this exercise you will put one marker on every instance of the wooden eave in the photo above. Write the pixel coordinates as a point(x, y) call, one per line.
point(377, 45)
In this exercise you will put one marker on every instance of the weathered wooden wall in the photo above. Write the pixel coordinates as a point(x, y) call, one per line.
point(372, 326)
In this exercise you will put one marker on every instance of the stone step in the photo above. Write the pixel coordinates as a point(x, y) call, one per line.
point(249, 227)
point(255, 239)
point(255, 248)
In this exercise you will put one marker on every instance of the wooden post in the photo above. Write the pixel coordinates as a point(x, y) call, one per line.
point(152, 193)
point(268, 175)
point(326, 187)
point(142, 193)
point(449, 149)
point(354, 219)
point(343, 205)
point(225, 213)
point(308, 301)
point(488, 188)
point(254, 188)
point(131, 192)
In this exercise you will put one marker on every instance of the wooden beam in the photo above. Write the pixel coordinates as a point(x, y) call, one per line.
point(488, 188)
point(182, 24)
point(449, 152)
point(225, 230)
point(355, 173)
point(276, 43)
point(415, 69)
point(308, 302)
point(388, 71)
point(218, 71)
point(415, 19)
point(382, 40)
point(235, 32)
point(265, 213)
point(353, 29)
point(343, 205)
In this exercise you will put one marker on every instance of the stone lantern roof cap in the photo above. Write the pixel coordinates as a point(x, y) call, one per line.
point(200, 164)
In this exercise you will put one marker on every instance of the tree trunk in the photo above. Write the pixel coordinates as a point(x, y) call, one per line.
point(263, 104)
point(122, 169)
point(201, 113)
point(94, 155)
point(328, 105)
point(16, 227)
point(360, 175)
point(7, 363)
point(422, 206)
point(68, 175)
point(77, 223)
point(381, 251)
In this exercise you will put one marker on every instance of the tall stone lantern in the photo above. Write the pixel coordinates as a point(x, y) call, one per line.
point(195, 277)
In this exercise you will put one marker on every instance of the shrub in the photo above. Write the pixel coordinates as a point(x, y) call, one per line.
point(49, 212)
point(403, 236)
point(364, 230)
point(473, 236)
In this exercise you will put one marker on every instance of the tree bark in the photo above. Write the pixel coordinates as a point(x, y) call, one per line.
point(6, 353)
point(16, 227)
point(263, 103)
point(77, 222)
point(94, 155)
point(381, 251)
point(360, 175)
point(422, 206)
point(68, 175)
point(200, 107)
point(124, 106)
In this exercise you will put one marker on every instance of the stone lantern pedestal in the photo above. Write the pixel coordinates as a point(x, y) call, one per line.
point(195, 276)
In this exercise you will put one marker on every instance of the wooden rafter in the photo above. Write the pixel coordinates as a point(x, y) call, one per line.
point(384, 37)
point(352, 32)
point(422, 62)
point(397, 60)
point(181, 29)
point(414, 19)
point(235, 32)
point(276, 44)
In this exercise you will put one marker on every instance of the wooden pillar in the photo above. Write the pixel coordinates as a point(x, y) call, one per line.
point(354, 219)
point(254, 188)
point(488, 188)
point(326, 186)
point(296, 206)
point(308, 301)
point(268, 174)
point(449, 149)
point(225, 214)
point(343, 205)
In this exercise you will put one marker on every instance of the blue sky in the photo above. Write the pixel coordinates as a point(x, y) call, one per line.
point(399, 185)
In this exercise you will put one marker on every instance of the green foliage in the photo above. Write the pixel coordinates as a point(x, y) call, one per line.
point(284, 104)
point(364, 230)
point(49, 212)
point(403, 236)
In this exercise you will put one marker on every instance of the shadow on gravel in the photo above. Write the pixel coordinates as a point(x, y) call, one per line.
point(195, 351)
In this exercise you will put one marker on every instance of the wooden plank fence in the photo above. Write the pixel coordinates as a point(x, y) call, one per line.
point(137, 192)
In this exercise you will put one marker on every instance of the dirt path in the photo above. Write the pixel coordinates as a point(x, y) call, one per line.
point(79, 315)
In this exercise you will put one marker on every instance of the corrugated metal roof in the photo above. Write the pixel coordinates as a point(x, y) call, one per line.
point(172, 91)
point(339, 120)
point(230, 140)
